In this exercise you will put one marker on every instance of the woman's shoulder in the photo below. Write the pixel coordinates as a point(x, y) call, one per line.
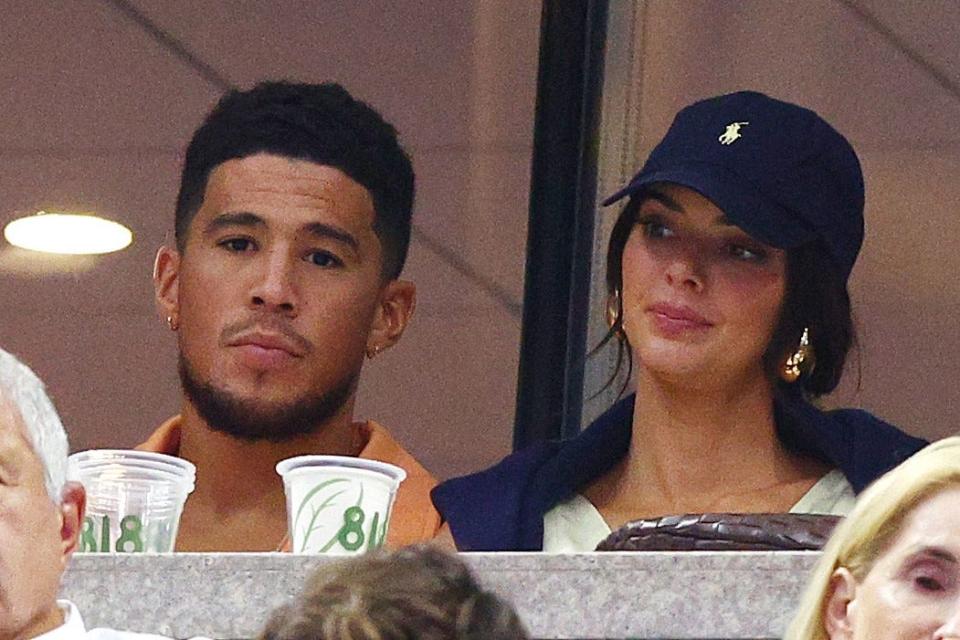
point(502, 507)
point(875, 436)
point(485, 510)
point(862, 445)
point(516, 466)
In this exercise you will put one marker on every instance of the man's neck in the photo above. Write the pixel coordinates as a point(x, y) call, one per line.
point(45, 622)
point(239, 502)
point(219, 455)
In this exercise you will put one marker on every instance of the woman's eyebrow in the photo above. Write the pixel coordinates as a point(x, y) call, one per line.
point(933, 551)
point(721, 220)
point(665, 200)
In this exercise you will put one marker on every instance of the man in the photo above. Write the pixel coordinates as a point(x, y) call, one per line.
point(292, 227)
point(40, 514)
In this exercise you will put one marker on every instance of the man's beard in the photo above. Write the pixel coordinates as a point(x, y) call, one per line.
point(250, 420)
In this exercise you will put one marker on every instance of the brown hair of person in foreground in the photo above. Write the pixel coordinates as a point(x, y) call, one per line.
point(416, 593)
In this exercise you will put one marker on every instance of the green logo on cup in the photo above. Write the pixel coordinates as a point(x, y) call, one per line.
point(96, 536)
point(320, 506)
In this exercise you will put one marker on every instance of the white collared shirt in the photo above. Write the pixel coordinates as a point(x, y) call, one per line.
point(575, 525)
point(73, 629)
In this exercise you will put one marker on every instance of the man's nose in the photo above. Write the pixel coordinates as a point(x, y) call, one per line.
point(275, 287)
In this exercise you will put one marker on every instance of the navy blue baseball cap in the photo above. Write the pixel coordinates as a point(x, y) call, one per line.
point(778, 171)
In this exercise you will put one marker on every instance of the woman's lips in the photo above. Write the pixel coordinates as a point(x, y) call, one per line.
point(676, 320)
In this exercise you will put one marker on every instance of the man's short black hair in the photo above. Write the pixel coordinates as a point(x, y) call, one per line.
point(321, 123)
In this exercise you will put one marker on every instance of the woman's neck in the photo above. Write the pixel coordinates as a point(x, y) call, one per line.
point(702, 448)
point(683, 435)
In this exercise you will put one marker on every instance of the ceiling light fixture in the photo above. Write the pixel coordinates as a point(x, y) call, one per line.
point(69, 233)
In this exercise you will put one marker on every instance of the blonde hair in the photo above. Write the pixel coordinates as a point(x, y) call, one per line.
point(872, 526)
point(418, 592)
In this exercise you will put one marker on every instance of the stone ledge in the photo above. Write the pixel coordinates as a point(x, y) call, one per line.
point(728, 595)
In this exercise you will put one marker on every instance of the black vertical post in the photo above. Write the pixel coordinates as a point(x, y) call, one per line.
point(560, 228)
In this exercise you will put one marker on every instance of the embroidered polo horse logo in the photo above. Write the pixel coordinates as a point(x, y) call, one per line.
point(732, 133)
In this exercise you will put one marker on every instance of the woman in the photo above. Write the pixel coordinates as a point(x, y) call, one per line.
point(727, 274)
point(892, 568)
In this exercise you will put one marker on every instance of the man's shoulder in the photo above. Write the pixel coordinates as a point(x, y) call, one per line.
point(382, 446)
point(165, 439)
point(414, 518)
point(74, 628)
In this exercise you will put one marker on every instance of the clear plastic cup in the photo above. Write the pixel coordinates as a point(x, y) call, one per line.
point(134, 499)
point(338, 505)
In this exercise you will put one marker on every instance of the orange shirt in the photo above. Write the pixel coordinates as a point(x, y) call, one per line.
point(413, 519)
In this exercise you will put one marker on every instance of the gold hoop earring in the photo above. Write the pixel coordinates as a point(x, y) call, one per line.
point(374, 351)
point(614, 314)
point(800, 361)
point(172, 323)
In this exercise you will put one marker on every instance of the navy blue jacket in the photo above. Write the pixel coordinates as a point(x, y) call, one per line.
point(502, 508)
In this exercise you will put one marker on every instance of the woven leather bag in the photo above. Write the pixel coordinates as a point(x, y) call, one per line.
point(723, 532)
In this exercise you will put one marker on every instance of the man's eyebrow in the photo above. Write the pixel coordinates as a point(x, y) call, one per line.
point(326, 231)
point(317, 229)
point(236, 219)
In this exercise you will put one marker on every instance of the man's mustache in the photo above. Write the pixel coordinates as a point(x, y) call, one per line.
point(267, 324)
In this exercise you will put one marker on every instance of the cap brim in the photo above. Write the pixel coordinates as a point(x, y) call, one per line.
point(742, 203)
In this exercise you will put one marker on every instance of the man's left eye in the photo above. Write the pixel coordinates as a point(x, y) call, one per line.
point(324, 259)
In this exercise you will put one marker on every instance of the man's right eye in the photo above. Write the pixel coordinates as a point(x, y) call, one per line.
point(236, 245)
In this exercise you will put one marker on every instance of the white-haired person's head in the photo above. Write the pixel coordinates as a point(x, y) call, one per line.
point(42, 513)
point(892, 567)
point(27, 395)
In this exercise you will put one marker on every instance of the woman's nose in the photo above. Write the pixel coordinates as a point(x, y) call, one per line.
point(685, 267)
point(950, 630)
